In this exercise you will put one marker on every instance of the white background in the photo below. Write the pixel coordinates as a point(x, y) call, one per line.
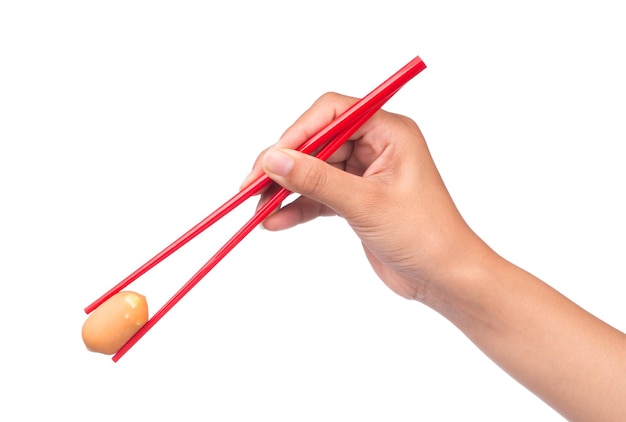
point(124, 123)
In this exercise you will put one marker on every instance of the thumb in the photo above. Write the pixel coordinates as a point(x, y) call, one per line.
point(312, 177)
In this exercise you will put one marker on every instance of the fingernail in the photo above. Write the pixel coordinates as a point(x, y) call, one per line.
point(278, 162)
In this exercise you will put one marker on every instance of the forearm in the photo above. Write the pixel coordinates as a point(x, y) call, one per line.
point(385, 184)
point(566, 356)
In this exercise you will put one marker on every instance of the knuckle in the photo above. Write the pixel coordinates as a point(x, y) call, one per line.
point(314, 180)
point(328, 97)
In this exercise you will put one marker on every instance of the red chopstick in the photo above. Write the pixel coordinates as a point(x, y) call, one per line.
point(326, 142)
point(258, 217)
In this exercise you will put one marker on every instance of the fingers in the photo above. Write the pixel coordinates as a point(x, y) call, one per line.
point(326, 109)
point(297, 212)
point(312, 176)
point(320, 114)
point(314, 179)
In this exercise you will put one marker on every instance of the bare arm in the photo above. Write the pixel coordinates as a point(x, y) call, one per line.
point(570, 359)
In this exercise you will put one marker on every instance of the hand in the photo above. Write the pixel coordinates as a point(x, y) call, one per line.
point(385, 184)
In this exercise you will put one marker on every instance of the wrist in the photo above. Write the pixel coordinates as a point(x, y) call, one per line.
point(462, 292)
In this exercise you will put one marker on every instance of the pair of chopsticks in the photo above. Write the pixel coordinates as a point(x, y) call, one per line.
point(322, 145)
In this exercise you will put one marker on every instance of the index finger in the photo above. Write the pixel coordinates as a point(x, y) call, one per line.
point(323, 111)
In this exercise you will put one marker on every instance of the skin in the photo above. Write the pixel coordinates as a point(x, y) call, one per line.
point(569, 358)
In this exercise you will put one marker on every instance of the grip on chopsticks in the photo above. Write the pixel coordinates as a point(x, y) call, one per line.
point(326, 142)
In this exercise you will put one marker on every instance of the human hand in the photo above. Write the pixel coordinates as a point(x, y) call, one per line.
point(385, 184)
point(387, 187)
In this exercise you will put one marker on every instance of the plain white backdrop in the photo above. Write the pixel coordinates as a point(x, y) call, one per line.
point(124, 123)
